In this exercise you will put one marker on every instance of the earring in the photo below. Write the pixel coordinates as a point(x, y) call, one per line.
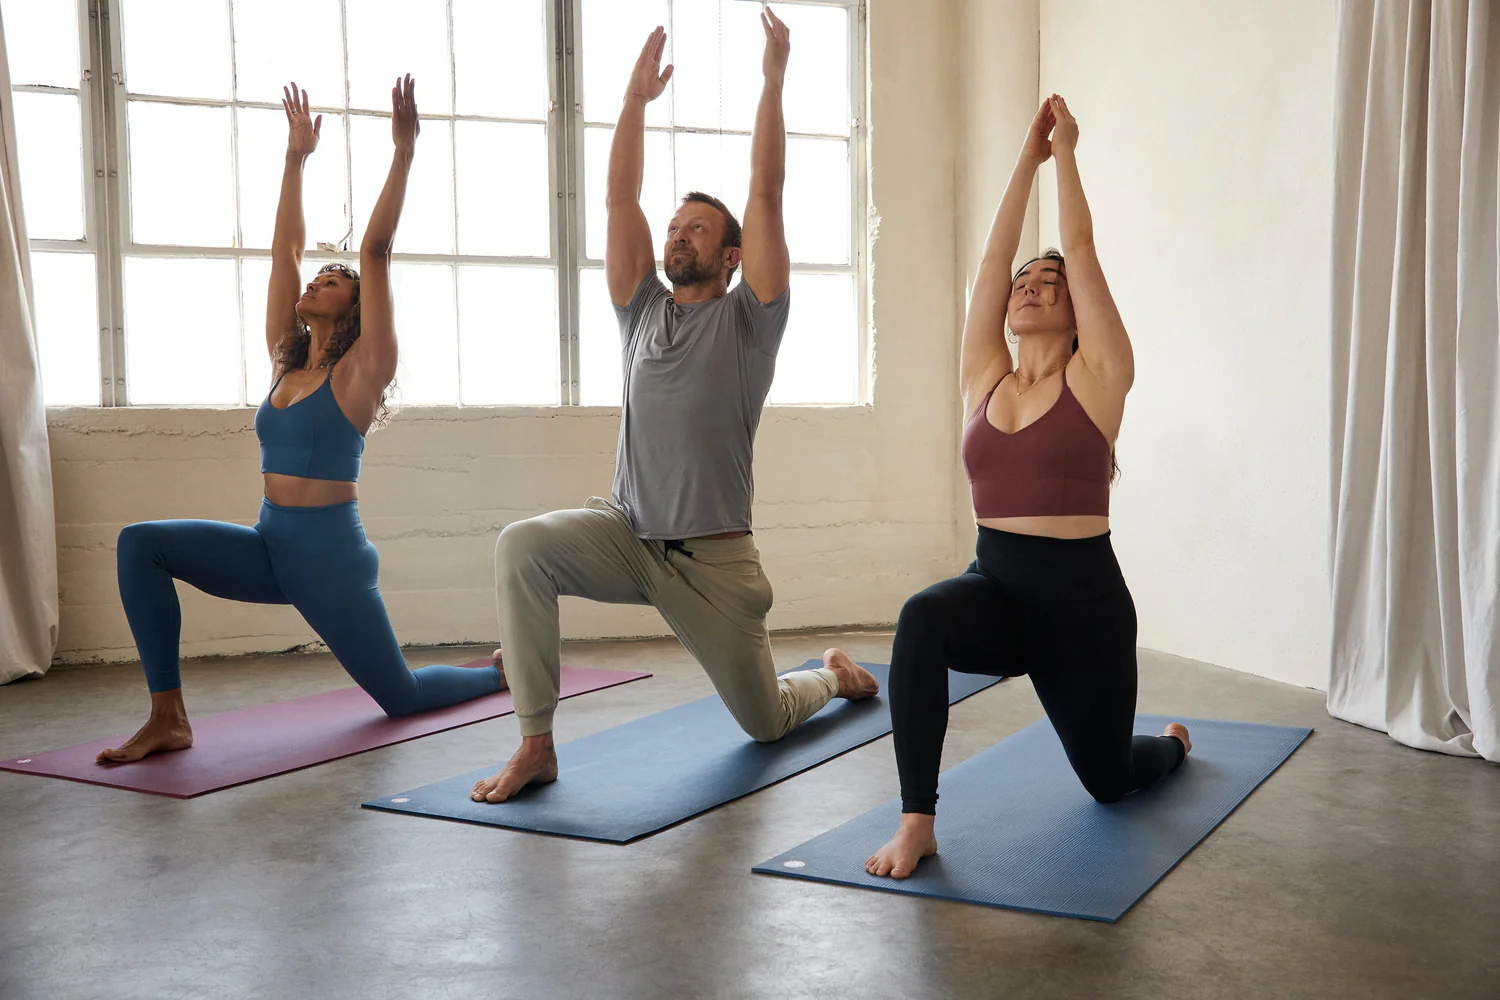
point(1012, 337)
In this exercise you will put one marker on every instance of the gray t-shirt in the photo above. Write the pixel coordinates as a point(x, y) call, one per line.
point(696, 378)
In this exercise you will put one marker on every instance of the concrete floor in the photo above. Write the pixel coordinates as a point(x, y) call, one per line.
point(1360, 869)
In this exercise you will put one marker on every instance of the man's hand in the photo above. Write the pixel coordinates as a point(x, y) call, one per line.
point(778, 45)
point(648, 79)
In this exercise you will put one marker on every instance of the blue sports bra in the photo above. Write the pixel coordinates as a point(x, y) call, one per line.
point(311, 438)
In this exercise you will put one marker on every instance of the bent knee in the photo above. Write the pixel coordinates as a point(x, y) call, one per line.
point(920, 610)
point(521, 541)
point(764, 730)
point(138, 541)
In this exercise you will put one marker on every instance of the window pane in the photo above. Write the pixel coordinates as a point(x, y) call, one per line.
point(613, 33)
point(599, 381)
point(180, 190)
point(41, 41)
point(67, 326)
point(656, 192)
point(182, 331)
point(49, 135)
point(816, 95)
point(817, 200)
point(502, 57)
point(715, 164)
point(255, 276)
point(262, 150)
point(819, 354)
point(504, 196)
point(427, 214)
point(277, 41)
point(390, 38)
point(428, 327)
point(717, 49)
point(176, 48)
point(508, 335)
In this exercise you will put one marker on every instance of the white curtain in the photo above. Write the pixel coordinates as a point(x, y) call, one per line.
point(28, 538)
point(1416, 374)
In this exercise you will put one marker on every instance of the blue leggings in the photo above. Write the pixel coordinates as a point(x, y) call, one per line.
point(316, 559)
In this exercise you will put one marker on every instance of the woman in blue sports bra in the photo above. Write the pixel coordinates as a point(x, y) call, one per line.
point(333, 355)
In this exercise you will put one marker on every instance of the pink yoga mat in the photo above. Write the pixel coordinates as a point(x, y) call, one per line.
point(253, 743)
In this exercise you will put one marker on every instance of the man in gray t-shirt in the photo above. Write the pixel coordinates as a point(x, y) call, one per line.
point(698, 361)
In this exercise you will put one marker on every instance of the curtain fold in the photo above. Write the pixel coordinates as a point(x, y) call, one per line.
point(1416, 369)
point(28, 536)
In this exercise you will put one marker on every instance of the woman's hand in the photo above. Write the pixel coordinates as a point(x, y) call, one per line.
point(1038, 146)
point(1065, 134)
point(404, 124)
point(302, 128)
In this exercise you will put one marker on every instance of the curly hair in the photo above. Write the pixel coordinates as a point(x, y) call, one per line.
point(291, 351)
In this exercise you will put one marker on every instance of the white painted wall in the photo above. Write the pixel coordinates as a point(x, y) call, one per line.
point(854, 506)
point(1206, 153)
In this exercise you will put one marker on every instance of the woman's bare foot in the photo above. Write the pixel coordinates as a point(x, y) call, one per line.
point(499, 663)
point(535, 763)
point(166, 729)
point(1178, 730)
point(855, 682)
point(915, 839)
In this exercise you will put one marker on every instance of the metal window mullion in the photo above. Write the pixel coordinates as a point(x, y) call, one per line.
point(567, 114)
point(348, 126)
point(114, 208)
point(91, 73)
point(234, 193)
point(859, 212)
point(458, 340)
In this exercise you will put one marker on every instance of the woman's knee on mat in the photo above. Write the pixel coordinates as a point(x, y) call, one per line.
point(1107, 786)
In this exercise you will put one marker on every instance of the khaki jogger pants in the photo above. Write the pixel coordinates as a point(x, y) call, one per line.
point(712, 593)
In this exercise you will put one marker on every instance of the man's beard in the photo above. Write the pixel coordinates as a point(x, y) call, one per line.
point(692, 271)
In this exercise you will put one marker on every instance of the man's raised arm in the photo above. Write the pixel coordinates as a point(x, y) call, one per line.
point(628, 254)
point(767, 263)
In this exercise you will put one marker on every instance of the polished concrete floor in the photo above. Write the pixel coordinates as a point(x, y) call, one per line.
point(1360, 869)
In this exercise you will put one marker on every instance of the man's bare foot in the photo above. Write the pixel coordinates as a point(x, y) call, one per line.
point(915, 839)
point(855, 682)
point(535, 763)
point(1178, 730)
point(163, 731)
point(499, 663)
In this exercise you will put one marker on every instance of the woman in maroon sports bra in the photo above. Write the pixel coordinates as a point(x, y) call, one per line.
point(1044, 595)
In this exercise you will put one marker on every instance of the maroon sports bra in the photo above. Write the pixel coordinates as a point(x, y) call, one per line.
point(1057, 465)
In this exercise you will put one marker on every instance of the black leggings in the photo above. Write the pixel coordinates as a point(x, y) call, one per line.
point(1056, 609)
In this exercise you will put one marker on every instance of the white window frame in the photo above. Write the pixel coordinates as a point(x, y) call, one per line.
point(104, 99)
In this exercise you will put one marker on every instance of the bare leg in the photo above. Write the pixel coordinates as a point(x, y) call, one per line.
point(855, 682)
point(535, 763)
point(166, 729)
point(915, 839)
point(1178, 730)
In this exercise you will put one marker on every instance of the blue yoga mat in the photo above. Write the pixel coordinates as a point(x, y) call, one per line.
point(642, 777)
point(1016, 829)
